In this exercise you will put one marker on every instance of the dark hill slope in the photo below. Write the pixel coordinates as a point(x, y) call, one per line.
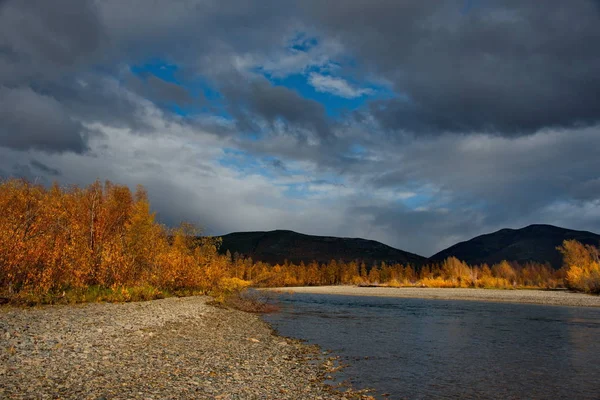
point(277, 246)
point(535, 243)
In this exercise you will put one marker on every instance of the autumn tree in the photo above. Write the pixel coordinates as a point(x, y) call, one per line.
point(504, 271)
point(582, 264)
point(457, 272)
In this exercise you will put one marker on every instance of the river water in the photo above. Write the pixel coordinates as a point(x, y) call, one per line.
point(438, 349)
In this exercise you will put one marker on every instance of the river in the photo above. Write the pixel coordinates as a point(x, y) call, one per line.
point(443, 349)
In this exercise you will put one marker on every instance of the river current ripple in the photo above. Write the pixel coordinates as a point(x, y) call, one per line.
point(442, 349)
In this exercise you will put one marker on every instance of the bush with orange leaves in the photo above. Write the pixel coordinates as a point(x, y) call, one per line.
point(102, 236)
point(582, 264)
point(104, 239)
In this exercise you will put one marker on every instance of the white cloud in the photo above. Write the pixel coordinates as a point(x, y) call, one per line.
point(180, 166)
point(336, 86)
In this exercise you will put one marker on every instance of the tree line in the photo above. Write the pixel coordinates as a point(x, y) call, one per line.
point(104, 239)
point(450, 273)
point(101, 237)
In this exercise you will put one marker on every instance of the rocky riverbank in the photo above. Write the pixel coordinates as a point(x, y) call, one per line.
point(176, 348)
point(545, 297)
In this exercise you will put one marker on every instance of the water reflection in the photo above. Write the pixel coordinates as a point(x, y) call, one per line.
point(423, 349)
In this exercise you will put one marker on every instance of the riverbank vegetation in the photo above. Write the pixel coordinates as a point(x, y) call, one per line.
point(102, 242)
point(582, 265)
point(451, 273)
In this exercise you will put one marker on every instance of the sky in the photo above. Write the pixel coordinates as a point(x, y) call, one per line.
point(415, 123)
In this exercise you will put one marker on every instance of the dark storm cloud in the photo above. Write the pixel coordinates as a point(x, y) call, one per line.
point(160, 90)
point(504, 67)
point(94, 98)
point(423, 232)
point(44, 39)
point(32, 120)
point(525, 72)
point(44, 168)
point(504, 181)
point(510, 67)
point(68, 49)
point(23, 171)
point(273, 104)
point(169, 91)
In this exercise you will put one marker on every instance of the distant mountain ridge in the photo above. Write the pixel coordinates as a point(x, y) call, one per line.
point(534, 243)
point(279, 245)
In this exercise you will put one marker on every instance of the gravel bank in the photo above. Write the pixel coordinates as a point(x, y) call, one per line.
point(176, 348)
point(557, 298)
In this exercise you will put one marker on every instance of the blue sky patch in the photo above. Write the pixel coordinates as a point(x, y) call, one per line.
point(206, 97)
point(158, 68)
point(334, 105)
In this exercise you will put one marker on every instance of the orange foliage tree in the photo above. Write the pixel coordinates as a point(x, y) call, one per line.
point(582, 264)
point(58, 239)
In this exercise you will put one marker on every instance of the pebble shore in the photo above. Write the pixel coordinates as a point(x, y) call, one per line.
point(175, 348)
point(527, 296)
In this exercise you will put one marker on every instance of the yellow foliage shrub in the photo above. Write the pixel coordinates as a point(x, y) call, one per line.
point(232, 285)
point(492, 282)
point(394, 283)
point(437, 283)
point(582, 265)
point(357, 280)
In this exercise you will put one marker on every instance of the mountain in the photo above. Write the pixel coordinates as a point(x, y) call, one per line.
point(535, 243)
point(277, 246)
